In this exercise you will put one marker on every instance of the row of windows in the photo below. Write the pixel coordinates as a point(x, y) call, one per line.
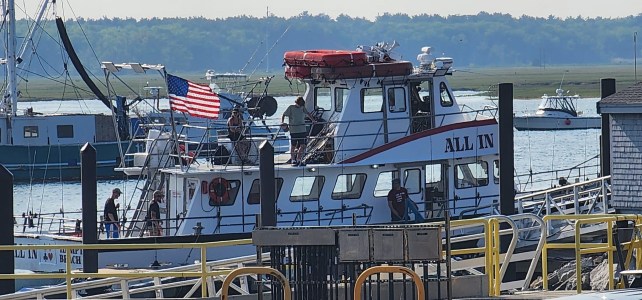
point(350, 186)
point(308, 188)
point(64, 131)
point(372, 98)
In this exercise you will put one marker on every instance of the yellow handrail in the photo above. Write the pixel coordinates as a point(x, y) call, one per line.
point(586, 248)
point(287, 292)
point(387, 269)
point(69, 275)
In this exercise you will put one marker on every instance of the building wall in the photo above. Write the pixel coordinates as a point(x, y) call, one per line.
point(626, 162)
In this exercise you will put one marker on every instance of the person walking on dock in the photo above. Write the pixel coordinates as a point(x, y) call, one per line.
point(153, 214)
point(111, 214)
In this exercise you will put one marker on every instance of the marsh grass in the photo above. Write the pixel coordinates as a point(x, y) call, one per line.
point(529, 82)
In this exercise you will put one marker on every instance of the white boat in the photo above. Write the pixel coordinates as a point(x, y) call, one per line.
point(557, 112)
point(378, 119)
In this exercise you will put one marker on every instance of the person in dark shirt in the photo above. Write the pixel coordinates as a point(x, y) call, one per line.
point(153, 214)
point(397, 201)
point(110, 216)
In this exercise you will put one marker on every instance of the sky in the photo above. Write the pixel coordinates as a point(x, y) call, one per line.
point(93, 9)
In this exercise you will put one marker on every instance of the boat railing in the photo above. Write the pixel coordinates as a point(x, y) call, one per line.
point(62, 223)
point(589, 197)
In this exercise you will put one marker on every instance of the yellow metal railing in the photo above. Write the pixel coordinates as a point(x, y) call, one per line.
point(581, 248)
point(68, 275)
point(387, 269)
point(287, 292)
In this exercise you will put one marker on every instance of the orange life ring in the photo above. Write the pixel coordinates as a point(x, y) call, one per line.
point(567, 122)
point(219, 191)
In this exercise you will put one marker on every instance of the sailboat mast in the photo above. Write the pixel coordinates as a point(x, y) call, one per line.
point(12, 90)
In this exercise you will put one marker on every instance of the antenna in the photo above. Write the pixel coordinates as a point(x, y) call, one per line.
point(635, 55)
point(267, 58)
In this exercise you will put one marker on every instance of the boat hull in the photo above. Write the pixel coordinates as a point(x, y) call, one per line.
point(58, 161)
point(556, 123)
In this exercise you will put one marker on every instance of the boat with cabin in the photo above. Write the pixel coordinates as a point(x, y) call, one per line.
point(557, 112)
point(36, 145)
point(377, 119)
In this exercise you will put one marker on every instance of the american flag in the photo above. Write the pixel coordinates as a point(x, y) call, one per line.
point(193, 98)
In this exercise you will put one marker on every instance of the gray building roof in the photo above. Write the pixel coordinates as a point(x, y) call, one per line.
point(628, 100)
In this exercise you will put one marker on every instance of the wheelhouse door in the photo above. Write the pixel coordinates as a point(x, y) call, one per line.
point(396, 113)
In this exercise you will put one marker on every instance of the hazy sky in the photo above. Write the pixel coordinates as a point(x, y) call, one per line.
point(355, 8)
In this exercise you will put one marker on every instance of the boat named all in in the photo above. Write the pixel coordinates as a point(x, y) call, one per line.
point(557, 112)
point(377, 119)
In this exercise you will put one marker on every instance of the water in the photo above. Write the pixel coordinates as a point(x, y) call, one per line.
point(534, 150)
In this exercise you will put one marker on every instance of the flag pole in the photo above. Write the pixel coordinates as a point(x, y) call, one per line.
point(171, 119)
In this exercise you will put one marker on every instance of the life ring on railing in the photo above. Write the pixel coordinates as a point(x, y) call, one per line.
point(219, 191)
point(567, 122)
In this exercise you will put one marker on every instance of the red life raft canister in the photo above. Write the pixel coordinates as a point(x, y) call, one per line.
point(325, 58)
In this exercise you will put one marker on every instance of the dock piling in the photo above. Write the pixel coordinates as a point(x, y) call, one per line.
point(89, 206)
point(268, 188)
point(7, 286)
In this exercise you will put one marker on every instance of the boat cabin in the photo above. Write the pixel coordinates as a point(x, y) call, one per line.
point(377, 119)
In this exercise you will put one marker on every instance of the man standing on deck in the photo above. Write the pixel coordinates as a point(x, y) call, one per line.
point(397, 201)
point(153, 214)
point(298, 131)
point(110, 216)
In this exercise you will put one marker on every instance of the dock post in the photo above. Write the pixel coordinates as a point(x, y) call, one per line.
point(89, 207)
point(506, 150)
point(7, 286)
point(268, 186)
point(506, 167)
point(607, 88)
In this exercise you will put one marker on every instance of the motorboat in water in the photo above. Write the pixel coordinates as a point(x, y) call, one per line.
point(557, 112)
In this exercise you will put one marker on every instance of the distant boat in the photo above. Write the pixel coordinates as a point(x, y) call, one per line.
point(34, 145)
point(556, 113)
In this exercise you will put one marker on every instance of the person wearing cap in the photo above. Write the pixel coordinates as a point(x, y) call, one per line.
point(153, 214)
point(397, 201)
point(235, 133)
point(110, 214)
point(298, 133)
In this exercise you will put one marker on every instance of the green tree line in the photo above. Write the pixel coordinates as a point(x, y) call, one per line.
point(249, 43)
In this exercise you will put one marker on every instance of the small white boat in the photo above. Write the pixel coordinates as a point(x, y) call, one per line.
point(556, 113)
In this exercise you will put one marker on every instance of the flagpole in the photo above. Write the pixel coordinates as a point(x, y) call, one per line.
point(171, 119)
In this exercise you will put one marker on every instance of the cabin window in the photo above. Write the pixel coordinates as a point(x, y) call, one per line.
point(31, 131)
point(496, 171)
point(307, 188)
point(224, 198)
point(371, 100)
point(349, 186)
point(384, 183)
point(255, 191)
point(397, 99)
point(434, 182)
point(471, 175)
point(412, 181)
point(340, 96)
point(446, 98)
point(322, 98)
point(65, 131)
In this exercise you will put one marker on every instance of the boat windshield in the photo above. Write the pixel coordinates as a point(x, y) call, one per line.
point(556, 103)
